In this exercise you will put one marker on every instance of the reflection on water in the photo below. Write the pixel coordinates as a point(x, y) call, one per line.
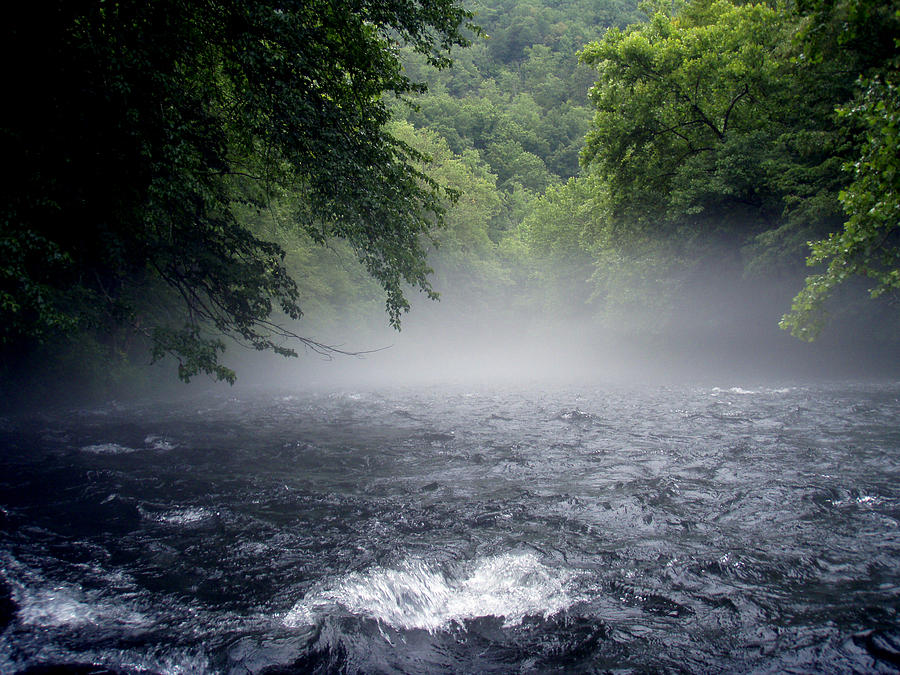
point(736, 528)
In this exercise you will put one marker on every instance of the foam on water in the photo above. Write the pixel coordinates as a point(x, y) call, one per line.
point(188, 515)
point(865, 500)
point(741, 390)
point(48, 603)
point(65, 605)
point(155, 442)
point(108, 449)
point(55, 620)
point(55, 658)
point(151, 442)
point(420, 596)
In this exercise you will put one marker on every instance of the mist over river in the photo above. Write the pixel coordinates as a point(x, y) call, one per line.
point(618, 528)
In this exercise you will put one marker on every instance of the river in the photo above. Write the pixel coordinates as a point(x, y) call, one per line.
point(458, 529)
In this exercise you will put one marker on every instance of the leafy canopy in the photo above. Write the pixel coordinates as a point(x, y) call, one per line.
point(686, 115)
point(139, 130)
point(862, 35)
point(716, 136)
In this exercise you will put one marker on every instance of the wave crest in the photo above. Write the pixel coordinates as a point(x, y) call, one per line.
point(419, 596)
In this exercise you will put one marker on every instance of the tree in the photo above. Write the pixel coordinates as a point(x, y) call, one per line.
point(714, 145)
point(139, 130)
point(558, 231)
point(687, 115)
point(862, 35)
point(869, 243)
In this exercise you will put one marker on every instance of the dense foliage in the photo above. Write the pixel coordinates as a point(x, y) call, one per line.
point(139, 132)
point(709, 143)
point(188, 172)
point(865, 36)
point(725, 131)
point(717, 150)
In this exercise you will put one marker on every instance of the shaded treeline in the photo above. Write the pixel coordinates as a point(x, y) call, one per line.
point(649, 176)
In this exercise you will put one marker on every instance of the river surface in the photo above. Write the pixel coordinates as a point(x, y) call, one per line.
point(457, 530)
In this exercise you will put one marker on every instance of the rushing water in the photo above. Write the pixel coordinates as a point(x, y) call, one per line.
point(452, 530)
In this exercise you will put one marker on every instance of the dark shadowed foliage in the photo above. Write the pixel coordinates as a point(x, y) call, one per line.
point(134, 132)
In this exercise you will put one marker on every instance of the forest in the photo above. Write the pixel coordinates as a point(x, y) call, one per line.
point(189, 178)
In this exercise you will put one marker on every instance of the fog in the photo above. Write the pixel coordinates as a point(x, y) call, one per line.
point(716, 332)
point(720, 331)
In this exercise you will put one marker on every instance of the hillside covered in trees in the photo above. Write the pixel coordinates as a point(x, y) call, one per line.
point(656, 173)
